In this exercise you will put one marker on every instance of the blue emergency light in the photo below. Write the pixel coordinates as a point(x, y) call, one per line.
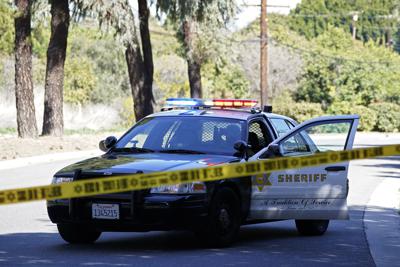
point(184, 102)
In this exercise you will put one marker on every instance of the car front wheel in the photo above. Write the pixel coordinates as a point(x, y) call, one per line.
point(312, 227)
point(77, 234)
point(223, 222)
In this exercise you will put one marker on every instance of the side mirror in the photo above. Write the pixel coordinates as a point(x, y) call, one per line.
point(274, 150)
point(241, 147)
point(108, 143)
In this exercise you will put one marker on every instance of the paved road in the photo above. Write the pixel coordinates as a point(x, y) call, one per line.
point(27, 237)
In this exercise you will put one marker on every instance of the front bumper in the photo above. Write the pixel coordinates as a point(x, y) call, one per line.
point(149, 213)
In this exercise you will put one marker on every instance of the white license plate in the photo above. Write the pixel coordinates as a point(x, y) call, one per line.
point(105, 211)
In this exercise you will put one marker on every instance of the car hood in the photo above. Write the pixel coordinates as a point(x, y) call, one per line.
point(145, 162)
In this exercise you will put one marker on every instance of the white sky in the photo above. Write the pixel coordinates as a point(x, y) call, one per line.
point(248, 14)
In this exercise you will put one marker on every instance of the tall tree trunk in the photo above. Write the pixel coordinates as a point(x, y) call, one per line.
point(194, 66)
point(53, 123)
point(135, 64)
point(194, 72)
point(26, 119)
point(148, 67)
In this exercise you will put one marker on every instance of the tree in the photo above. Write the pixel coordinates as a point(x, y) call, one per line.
point(53, 123)
point(194, 64)
point(119, 15)
point(377, 20)
point(189, 15)
point(26, 119)
point(148, 65)
point(334, 72)
point(6, 28)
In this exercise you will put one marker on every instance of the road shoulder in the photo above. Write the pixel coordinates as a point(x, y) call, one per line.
point(382, 223)
point(27, 161)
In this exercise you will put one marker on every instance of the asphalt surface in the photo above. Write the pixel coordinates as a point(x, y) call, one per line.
point(27, 237)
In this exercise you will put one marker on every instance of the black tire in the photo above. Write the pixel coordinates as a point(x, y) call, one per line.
point(312, 227)
point(77, 234)
point(223, 221)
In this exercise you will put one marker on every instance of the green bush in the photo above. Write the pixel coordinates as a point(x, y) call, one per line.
point(79, 81)
point(6, 28)
point(300, 111)
point(126, 113)
point(368, 117)
point(225, 80)
point(388, 116)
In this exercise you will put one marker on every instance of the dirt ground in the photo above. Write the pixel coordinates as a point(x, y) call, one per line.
point(13, 147)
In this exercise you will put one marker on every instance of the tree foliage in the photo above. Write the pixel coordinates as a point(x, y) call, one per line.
point(225, 80)
point(343, 76)
point(368, 116)
point(377, 20)
point(6, 28)
point(346, 77)
point(198, 25)
point(388, 117)
point(81, 81)
point(298, 110)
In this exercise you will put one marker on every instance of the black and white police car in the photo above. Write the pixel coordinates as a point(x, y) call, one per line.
point(192, 133)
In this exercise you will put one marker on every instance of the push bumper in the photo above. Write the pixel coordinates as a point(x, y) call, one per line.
point(153, 212)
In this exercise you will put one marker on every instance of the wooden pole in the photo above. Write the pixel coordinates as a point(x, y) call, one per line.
point(263, 54)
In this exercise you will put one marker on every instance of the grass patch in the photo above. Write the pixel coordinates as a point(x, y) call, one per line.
point(8, 131)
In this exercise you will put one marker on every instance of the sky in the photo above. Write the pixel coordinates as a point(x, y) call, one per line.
point(249, 14)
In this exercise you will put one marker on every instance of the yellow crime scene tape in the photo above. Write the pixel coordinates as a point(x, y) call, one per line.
point(131, 182)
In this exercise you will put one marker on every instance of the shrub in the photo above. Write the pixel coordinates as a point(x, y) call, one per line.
point(300, 111)
point(388, 116)
point(368, 117)
point(80, 81)
point(126, 113)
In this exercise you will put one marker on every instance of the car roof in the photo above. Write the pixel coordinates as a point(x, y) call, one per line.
point(241, 114)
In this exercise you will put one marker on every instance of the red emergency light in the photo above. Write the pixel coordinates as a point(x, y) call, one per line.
point(234, 103)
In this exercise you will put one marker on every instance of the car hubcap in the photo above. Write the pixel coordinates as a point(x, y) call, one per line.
point(224, 219)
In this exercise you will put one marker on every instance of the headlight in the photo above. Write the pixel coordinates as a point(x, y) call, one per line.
point(188, 188)
point(59, 180)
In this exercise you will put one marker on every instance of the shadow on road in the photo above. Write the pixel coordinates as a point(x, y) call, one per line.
point(389, 169)
point(390, 162)
point(273, 244)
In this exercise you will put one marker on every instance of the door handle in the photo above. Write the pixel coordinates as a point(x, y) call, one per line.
point(335, 168)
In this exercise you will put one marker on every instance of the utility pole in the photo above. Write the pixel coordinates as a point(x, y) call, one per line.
point(263, 54)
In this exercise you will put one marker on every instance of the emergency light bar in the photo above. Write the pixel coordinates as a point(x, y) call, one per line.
point(221, 103)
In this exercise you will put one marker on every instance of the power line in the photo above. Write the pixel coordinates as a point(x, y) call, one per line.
point(339, 58)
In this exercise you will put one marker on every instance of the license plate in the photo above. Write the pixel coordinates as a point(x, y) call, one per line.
point(105, 211)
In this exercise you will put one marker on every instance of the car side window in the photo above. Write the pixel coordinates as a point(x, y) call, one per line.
point(281, 126)
point(289, 124)
point(295, 144)
point(318, 138)
point(258, 137)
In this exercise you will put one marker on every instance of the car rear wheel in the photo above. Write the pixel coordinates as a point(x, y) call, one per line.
point(223, 221)
point(77, 234)
point(312, 227)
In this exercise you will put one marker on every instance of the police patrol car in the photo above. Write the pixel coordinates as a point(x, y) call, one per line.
point(192, 133)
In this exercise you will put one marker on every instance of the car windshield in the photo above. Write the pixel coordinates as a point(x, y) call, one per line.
point(183, 135)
